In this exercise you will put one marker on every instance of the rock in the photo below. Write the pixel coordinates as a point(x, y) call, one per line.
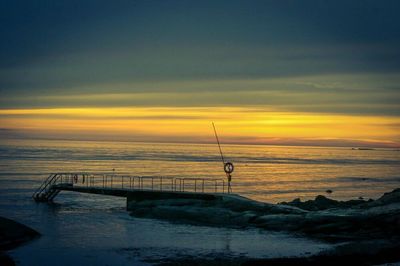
point(6, 260)
point(12, 234)
point(322, 217)
point(323, 203)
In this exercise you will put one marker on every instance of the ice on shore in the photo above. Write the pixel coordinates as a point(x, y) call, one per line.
point(335, 220)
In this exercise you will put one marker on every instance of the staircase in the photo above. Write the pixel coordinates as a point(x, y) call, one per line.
point(48, 189)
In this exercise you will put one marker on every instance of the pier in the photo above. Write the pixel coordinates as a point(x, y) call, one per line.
point(131, 187)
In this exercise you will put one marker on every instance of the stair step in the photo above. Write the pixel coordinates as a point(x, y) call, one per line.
point(46, 191)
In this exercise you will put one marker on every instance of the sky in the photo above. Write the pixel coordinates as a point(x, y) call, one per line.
point(266, 72)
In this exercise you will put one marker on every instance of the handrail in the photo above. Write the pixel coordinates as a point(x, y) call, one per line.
point(43, 184)
point(49, 180)
point(128, 182)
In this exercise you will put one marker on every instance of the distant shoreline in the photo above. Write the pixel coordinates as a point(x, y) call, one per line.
point(311, 144)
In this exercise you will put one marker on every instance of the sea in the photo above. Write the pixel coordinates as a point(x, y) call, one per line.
point(86, 229)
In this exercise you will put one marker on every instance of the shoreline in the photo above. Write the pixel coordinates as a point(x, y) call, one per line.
point(322, 218)
point(365, 232)
point(13, 234)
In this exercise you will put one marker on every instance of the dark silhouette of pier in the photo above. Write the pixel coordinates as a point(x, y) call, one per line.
point(131, 187)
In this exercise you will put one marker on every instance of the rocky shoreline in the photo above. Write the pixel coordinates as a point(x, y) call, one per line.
point(365, 232)
point(12, 235)
point(321, 218)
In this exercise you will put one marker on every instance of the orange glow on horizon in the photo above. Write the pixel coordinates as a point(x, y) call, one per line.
point(236, 124)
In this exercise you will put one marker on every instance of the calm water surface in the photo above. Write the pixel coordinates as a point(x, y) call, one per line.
point(96, 230)
point(267, 173)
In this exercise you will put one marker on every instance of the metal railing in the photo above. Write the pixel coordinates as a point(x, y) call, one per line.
point(127, 182)
point(46, 191)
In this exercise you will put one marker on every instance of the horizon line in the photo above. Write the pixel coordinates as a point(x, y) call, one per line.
point(317, 145)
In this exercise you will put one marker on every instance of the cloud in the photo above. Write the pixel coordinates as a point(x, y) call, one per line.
point(323, 59)
point(352, 94)
point(72, 44)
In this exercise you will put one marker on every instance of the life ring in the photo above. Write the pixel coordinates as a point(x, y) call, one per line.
point(228, 167)
point(75, 179)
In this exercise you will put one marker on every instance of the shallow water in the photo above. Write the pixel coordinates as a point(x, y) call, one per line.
point(96, 230)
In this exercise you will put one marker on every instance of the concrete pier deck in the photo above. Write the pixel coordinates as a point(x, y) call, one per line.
point(134, 188)
point(140, 195)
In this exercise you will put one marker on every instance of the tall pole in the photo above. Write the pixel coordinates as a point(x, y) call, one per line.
point(228, 166)
point(219, 146)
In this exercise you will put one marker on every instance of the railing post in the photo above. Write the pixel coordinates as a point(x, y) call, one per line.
point(108, 181)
